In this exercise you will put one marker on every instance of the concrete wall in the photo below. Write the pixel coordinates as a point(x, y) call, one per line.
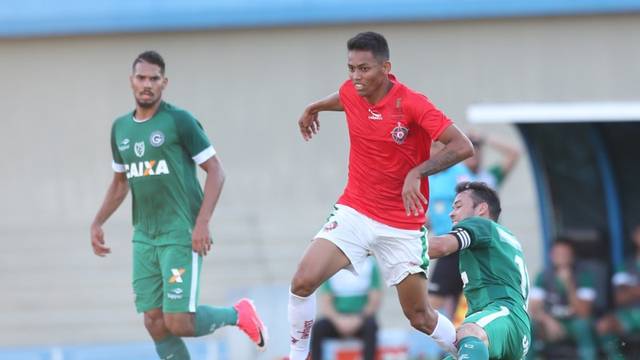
point(248, 87)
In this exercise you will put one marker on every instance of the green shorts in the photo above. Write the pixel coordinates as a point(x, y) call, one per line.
point(165, 277)
point(509, 335)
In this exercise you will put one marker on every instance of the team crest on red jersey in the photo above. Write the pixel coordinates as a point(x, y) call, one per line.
point(399, 133)
point(330, 226)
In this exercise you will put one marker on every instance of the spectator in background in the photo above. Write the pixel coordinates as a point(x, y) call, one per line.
point(349, 304)
point(626, 319)
point(445, 286)
point(495, 174)
point(561, 303)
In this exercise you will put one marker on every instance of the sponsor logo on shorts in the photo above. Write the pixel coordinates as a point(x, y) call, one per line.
point(138, 148)
point(157, 138)
point(525, 346)
point(175, 294)
point(399, 133)
point(330, 226)
point(177, 275)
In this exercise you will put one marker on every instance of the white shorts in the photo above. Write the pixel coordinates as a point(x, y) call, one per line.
point(399, 252)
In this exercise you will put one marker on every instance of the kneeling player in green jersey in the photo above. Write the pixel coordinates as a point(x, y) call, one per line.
point(494, 277)
point(155, 152)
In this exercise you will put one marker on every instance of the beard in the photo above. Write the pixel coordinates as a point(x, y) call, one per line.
point(147, 104)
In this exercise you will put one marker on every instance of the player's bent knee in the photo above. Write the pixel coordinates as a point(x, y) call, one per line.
point(154, 323)
point(180, 324)
point(302, 284)
point(470, 329)
point(424, 320)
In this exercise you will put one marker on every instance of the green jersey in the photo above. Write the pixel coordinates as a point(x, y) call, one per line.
point(159, 157)
point(491, 264)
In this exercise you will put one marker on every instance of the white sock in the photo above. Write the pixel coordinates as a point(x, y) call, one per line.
point(445, 335)
point(302, 313)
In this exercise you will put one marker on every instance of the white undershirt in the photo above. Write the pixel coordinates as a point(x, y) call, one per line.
point(142, 120)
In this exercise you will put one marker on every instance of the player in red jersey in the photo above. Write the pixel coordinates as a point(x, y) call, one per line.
point(382, 209)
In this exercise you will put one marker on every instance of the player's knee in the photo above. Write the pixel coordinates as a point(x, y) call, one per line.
point(154, 323)
point(422, 319)
point(470, 329)
point(303, 284)
point(179, 324)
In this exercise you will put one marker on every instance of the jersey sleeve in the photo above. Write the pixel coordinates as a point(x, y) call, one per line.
point(624, 275)
point(193, 138)
point(585, 286)
point(430, 118)
point(117, 164)
point(538, 291)
point(474, 232)
point(498, 173)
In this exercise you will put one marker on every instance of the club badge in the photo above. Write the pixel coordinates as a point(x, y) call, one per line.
point(330, 226)
point(399, 133)
point(157, 138)
point(138, 148)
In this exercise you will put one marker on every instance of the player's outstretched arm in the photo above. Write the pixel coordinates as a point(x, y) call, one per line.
point(201, 238)
point(309, 123)
point(442, 245)
point(457, 148)
point(116, 193)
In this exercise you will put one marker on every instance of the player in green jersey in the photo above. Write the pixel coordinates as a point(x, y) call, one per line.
point(494, 276)
point(155, 151)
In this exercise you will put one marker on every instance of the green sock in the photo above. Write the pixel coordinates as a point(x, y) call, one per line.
point(471, 347)
point(172, 348)
point(209, 318)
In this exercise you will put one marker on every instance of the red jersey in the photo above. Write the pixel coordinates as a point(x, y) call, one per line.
point(387, 140)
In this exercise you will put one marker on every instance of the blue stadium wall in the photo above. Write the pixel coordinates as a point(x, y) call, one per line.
point(72, 17)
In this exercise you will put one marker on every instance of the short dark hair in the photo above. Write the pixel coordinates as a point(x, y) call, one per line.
point(150, 57)
point(564, 241)
point(370, 41)
point(482, 193)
